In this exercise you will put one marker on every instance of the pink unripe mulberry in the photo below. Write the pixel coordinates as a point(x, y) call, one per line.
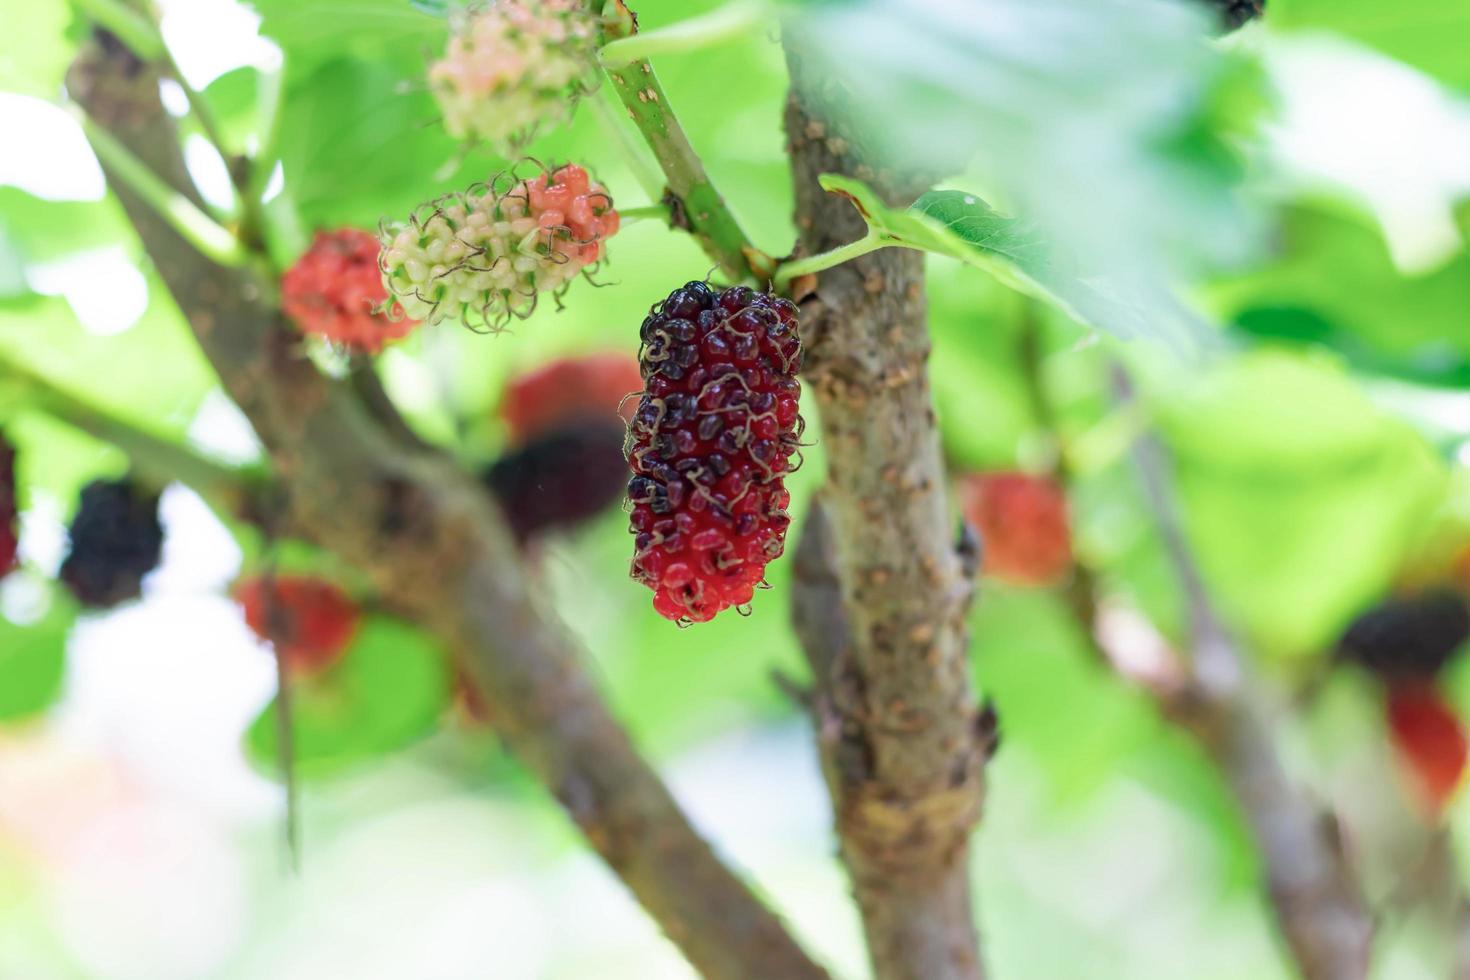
point(512, 66)
point(486, 254)
point(710, 446)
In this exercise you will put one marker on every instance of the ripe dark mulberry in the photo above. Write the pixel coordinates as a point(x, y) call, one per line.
point(1409, 636)
point(310, 621)
point(9, 531)
point(562, 478)
point(710, 445)
point(592, 387)
point(116, 539)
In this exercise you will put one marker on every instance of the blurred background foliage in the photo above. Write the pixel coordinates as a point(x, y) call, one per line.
point(1310, 316)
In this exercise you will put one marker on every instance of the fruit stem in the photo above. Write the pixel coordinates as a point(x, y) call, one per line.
point(659, 211)
point(870, 242)
point(696, 204)
point(721, 24)
point(642, 166)
point(208, 237)
point(130, 27)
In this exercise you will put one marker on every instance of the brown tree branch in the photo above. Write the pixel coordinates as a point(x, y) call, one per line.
point(894, 705)
point(1318, 906)
point(428, 537)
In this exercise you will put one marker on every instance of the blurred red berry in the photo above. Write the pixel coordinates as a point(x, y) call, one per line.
point(1429, 739)
point(592, 387)
point(1025, 535)
point(309, 620)
point(336, 291)
point(9, 529)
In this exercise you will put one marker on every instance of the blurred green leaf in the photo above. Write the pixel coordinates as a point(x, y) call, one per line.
point(390, 689)
point(1431, 35)
point(1303, 497)
point(34, 49)
point(33, 660)
point(234, 99)
point(1332, 281)
point(43, 231)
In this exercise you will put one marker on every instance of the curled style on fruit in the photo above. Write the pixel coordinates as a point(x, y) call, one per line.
point(486, 254)
point(710, 445)
point(9, 509)
point(335, 291)
point(512, 66)
point(561, 478)
point(116, 539)
point(309, 620)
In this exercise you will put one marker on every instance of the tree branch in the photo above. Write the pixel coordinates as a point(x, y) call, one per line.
point(881, 605)
point(696, 204)
point(428, 538)
point(1318, 907)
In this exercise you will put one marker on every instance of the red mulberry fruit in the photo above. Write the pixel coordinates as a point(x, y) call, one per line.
point(593, 387)
point(1022, 521)
point(1428, 739)
point(9, 530)
point(512, 66)
point(310, 621)
point(486, 254)
point(116, 539)
point(710, 445)
point(562, 478)
point(335, 291)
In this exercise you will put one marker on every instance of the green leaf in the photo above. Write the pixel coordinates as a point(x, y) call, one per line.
point(34, 49)
point(43, 231)
point(962, 226)
point(390, 689)
point(1334, 282)
point(1431, 35)
point(234, 99)
point(327, 29)
point(1303, 499)
point(33, 661)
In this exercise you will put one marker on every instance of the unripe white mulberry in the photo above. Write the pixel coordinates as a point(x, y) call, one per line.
point(513, 65)
point(487, 254)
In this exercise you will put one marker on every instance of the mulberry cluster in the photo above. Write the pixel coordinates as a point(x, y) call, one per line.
point(486, 254)
point(310, 621)
point(710, 445)
point(593, 387)
point(1023, 526)
point(116, 539)
point(335, 291)
point(513, 65)
point(561, 478)
point(9, 511)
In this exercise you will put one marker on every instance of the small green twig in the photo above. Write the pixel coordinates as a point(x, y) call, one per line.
point(870, 242)
point(729, 21)
point(659, 211)
point(211, 239)
point(136, 31)
point(227, 489)
point(698, 206)
point(640, 164)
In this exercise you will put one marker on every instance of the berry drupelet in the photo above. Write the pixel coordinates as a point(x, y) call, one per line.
point(710, 445)
point(116, 539)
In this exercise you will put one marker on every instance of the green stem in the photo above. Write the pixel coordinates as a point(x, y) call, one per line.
point(211, 240)
point(700, 209)
point(870, 242)
point(257, 223)
point(130, 27)
point(659, 211)
point(227, 489)
point(642, 166)
point(729, 21)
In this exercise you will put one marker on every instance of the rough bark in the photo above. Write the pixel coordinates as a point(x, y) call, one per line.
point(894, 705)
point(430, 539)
